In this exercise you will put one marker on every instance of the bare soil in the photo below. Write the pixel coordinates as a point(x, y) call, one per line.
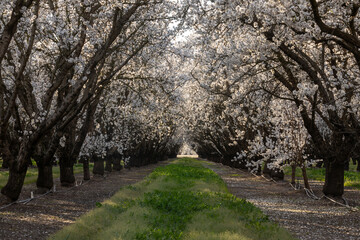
point(45, 215)
point(304, 217)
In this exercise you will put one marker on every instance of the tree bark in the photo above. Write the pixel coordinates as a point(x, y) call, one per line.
point(17, 172)
point(108, 165)
point(293, 172)
point(277, 174)
point(10, 28)
point(66, 163)
point(67, 177)
point(305, 177)
point(334, 178)
point(117, 164)
point(66, 157)
point(98, 166)
point(13, 187)
point(44, 157)
point(45, 177)
point(8, 148)
point(86, 169)
point(266, 169)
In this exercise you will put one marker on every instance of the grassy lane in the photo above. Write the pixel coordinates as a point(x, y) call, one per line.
point(32, 173)
point(182, 200)
point(351, 177)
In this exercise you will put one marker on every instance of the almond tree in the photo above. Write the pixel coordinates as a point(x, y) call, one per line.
point(71, 47)
point(303, 52)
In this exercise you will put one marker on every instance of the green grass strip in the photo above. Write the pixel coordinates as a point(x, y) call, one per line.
point(182, 200)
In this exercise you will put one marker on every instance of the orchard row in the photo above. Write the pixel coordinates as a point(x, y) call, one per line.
point(243, 82)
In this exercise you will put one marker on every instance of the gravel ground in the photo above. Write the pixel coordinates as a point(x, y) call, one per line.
point(306, 218)
point(43, 216)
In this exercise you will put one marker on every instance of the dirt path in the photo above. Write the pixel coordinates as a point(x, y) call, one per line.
point(44, 216)
point(304, 217)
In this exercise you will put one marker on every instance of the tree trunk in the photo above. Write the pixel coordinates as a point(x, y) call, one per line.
point(293, 173)
point(108, 165)
point(98, 166)
point(116, 164)
point(67, 158)
point(305, 177)
point(266, 169)
point(86, 169)
point(358, 166)
point(277, 174)
point(17, 172)
point(13, 187)
point(334, 178)
point(67, 177)
point(44, 157)
point(45, 177)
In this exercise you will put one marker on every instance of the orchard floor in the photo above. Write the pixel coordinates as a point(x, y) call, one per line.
point(294, 210)
point(304, 217)
point(43, 216)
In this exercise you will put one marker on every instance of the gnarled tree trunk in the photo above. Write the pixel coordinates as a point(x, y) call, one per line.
point(86, 168)
point(117, 164)
point(334, 178)
point(266, 170)
point(45, 177)
point(14, 184)
point(98, 166)
point(17, 173)
point(293, 173)
point(277, 174)
point(108, 165)
point(305, 178)
point(44, 158)
point(66, 157)
point(67, 177)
